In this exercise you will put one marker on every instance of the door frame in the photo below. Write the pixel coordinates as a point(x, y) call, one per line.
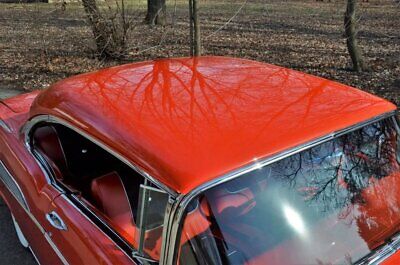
point(75, 201)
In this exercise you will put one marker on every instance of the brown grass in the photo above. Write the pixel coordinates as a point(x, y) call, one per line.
point(40, 44)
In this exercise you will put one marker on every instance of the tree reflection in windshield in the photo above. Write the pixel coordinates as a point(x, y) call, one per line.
point(349, 162)
point(330, 204)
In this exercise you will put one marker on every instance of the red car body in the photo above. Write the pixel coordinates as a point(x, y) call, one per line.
point(181, 123)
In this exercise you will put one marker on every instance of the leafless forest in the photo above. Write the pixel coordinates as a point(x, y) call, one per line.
point(41, 43)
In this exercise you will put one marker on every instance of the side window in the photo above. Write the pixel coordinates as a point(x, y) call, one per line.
point(108, 187)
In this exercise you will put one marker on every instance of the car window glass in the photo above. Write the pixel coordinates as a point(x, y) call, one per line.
point(152, 203)
point(330, 204)
point(106, 185)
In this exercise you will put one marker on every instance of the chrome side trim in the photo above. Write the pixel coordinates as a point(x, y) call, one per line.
point(34, 255)
point(4, 125)
point(12, 185)
point(184, 200)
point(56, 250)
point(43, 231)
point(26, 129)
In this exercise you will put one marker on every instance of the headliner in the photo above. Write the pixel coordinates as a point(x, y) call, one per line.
point(187, 121)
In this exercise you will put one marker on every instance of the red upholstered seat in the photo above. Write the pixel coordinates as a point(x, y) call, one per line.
point(46, 140)
point(227, 204)
point(110, 198)
point(235, 202)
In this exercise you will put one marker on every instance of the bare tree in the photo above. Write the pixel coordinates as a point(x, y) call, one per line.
point(109, 29)
point(195, 39)
point(156, 12)
point(350, 24)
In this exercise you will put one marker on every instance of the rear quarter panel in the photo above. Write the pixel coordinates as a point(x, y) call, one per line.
point(27, 175)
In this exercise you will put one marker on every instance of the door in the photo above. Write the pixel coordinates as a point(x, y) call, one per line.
point(94, 220)
point(27, 194)
point(78, 238)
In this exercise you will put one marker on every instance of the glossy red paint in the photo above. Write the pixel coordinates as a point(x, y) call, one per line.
point(14, 111)
point(392, 260)
point(83, 243)
point(186, 121)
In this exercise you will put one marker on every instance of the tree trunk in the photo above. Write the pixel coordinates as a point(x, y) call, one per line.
point(94, 17)
point(195, 37)
point(109, 35)
point(351, 36)
point(156, 12)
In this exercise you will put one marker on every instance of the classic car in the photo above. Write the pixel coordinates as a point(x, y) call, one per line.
point(207, 160)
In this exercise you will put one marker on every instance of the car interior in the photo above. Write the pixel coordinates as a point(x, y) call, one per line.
point(220, 229)
point(230, 203)
point(111, 189)
point(107, 185)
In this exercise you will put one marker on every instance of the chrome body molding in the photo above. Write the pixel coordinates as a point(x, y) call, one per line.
point(34, 255)
point(12, 186)
point(179, 202)
point(4, 125)
point(56, 250)
point(27, 128)
point(183, 201)
point(39, 226)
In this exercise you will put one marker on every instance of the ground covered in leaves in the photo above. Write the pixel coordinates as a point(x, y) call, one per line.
point(40, 43)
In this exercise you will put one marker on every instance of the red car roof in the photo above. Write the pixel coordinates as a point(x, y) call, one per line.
point(187, 121)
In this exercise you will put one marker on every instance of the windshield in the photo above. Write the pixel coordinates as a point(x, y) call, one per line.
point(331, 204)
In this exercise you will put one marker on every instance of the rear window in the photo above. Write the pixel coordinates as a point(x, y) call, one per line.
point(331, 204)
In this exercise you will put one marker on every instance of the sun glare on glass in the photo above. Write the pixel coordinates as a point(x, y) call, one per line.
point(294, 219)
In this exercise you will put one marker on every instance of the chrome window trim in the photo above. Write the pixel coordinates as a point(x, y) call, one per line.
point(47, 119)
point(44, 167)
point(29, 125)
point(382, 253)
point(168, 221)
point(50, 180)
point(91, 221)
point(177, 213)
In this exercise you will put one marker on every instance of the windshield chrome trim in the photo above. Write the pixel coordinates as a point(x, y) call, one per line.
point(184, 200)
point(382, 253)
point(27, 128)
